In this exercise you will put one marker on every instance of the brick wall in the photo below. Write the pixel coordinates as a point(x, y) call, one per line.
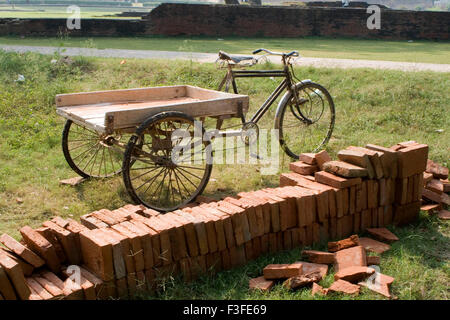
point(222, 20)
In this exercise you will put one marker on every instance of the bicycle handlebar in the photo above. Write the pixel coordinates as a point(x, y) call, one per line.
point(292, 53)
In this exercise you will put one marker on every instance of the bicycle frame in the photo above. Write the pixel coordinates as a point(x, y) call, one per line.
point(285, 84)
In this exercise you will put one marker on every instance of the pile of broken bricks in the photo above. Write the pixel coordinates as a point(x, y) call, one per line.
point(130, 250)
point(436, 189)
point(352, 266)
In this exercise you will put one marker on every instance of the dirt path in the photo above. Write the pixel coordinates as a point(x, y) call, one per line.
point(211, 57)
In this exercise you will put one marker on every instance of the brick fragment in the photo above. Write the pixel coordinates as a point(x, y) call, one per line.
point(260, 283)
point(345, 169)
point(40, 245)
point(15, 275)
point(344, 287)
point(375, 159)
point(431, 208)
point(22, 251)
point(355, 256)
point(381, 284)
point(352, 241)
point(38, 289)
point(373, 245)
point(318, 289)
point(359, 159)
point(382, 234)
point(91, 222)
point(319, 256)
point(412, 160)
point(336, 181)
point(438, 171)
point(25, 266)
point(388, 160)
point(309, 267)
point(303, 168)
point(446, 185)
point(373, 260)
point(302, 280)
point(322, 157)
point(6, 288)
point(309, 158)
point(282, 271)
point(435, 185)
point(354, 273)
point(427, 177)
point(444, 215)
point(68, 240)
point(48, 234)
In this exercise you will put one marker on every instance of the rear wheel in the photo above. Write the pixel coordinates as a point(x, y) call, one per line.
point(167, 163)
point(307, 126)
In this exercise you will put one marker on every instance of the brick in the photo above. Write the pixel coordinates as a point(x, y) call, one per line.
point(375, 159)
point(401, 190)
point(322, 157)
point(445, 198)
point(22, 251)
point(359, 159)
point(250, 212)
point(444, 214)
point(272, 247)
point(373, 260)
point(427, 177)
point(104, 216)
point(49, 286)
point(309, 158)
point(280, 246)
point(122, 288)
point(382, 234)
point(309, 267)
point(316, 232)
point(92, 222)
point(366, 219)
point(282, 271)
point(303, 168)
point(436, 186)
point(287, 239)
point(38, 289)
point(438, 171)
point(267, 204)
point(74, 226)
point(445, 183)
point(15, 275)
point(318, 289)
point(97, 254)
point(343, 244)
point(406, 214)
point(141, 285)
point(288, 214)
point(135, 244)
point(265, 243)
point(335, 181)
point(308, 235)
point(295, 237)
point(364, 196)
point(117, 253)
point(237, 256)
point(373, 245)
point(99, 286)
point(176, 234)
point(306, 206)
point(374, 213)
point(190, 232)
point(226, 259)
point(381, 217)
point(125, 251)
point(431, 208)
point(210, 229)
point(6, 288)
point(238, 219)
point(412, 160)
point(388, 160)
point(40, 245)
point(150, 280)
point(260, 283)
point(224, 228)
point(354, 273)
point(352, 200)
point(26, 267)
point(274, 202)
point(347, 225)
point(357, 222)
point(372, 194)
point(345, 202)
point(48, 234)
point(318, 256)
point(355, 256)
point(262, 212)
point(392, 190)
point(333, 228)
point(68, 240)
point(382, 284)
point(302, 280)
point(409, 190)
point(383, 192)
point(132, 285)
point(344, 287)
point(345, 169)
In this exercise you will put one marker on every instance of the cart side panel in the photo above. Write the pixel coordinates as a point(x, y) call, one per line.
point(208, 108)
point(123, 95)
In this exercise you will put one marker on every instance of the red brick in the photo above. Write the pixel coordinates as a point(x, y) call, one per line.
point(40, 245)
point(354, 273)
point(135, 245)
point(364, 196)
point(388, 160)
point(99, 287)
point(358, 158)
point(190, 232)
point(22, 251)
point(375, 159)
point(260, 283)
point(303, 168)
point(308, 235)
point(344, 287)
point(97, 254)
point(91, 222)
point(355, 256)
point(288, 214)
point(309, 158)
point(49, 286)
point(373, 245)
point(282, 271)
point(132, 285)
point(343, 244)
point(272, 247)
point(38, 289)
point(431, 208)
point(345, 201)
point(357, 222)
point(406, 214)
point(176, 234)
point(301, 280)
point(262, 212)
point(48, 234)
point(374, 214)
point(226, 259)
point(335, 181)
point(280, 244)
point(373, 260)
point(70, 289)
point(333, 228)
point(267, 208)
point(68, 240)
point(265, 243)
point(225, 236)
point(352, 200)
point(435, 185)
point(308, 267)
point(345, 169)
point(6, 288)
point(319, 256)
point(148, 238)
point(431, 195)
point(287, 239)
point(103, 216)
point(318, 289)
point(438, 171)
point(372, 194)
point(117, 253)
point(122, 288)
point(238, 219)
point(444, 214)
point(250, 211)
point(237, 256)
point(322, 157)
point(382, 234)
point(87, 286)
point(412, 160)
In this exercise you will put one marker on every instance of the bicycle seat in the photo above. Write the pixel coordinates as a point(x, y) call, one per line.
point(236, 59)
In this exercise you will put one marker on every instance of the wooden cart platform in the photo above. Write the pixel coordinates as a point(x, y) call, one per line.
point(108, 111)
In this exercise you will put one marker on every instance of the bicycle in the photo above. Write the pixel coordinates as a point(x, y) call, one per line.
point(306, 107)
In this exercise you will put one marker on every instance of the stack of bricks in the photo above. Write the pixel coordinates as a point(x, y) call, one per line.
point(131, 250)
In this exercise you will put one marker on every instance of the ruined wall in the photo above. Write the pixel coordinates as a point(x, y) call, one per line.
point(222, 20)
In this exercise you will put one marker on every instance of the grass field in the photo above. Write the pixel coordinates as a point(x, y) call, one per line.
point(381, 107)
point(417, 51)
point(42, 11)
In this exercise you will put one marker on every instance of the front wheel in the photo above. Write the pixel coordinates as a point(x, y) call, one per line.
point(305, 126)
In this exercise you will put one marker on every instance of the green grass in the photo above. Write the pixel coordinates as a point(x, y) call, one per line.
point(417, 51)
point(373, 106)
